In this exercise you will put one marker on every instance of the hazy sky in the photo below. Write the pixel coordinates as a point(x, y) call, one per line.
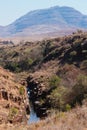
point(10, 10)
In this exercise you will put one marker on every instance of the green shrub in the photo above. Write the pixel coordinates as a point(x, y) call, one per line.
point(12, 66)
point(19, 66)
point(79, 91)
point(57, 98)
point(25, 63)
point(13, 111)
point(21, 90)
point(54, 81)
point(68, 107)
point(30, 61)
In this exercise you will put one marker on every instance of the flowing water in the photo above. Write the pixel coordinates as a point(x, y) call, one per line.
point(33, 116)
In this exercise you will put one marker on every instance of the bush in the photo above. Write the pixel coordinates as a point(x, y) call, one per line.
point(54, 81)
point(68, 107)
point(79, 91)
point(12, 66)
point(57, 98)
point(21, 90)
point(19, 66)
point(13, 111)
point(25, 64)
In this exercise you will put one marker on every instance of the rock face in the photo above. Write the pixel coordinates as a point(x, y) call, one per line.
point(36, 91)
point(13, 105)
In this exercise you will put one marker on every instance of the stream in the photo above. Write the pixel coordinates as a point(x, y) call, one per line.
point(33, 116)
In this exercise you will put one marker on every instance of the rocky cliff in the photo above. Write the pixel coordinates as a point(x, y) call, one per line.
point(13, 99)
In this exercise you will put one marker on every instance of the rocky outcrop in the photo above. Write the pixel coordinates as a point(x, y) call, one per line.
point(37, 91)
point(14, 106)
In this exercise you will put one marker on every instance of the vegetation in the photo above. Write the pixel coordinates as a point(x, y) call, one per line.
point(13, 66)
point(68, 107)
point(22, 90)
point(29, 55)
point(79, 90)
point(54, 81)
point(57, 98)
point(13, 112)
point(19, 66)
point(63, 98)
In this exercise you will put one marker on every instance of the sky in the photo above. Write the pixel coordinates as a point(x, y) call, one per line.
point(10, 10)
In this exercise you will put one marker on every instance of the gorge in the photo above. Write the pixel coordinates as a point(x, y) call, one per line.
point(53, 73)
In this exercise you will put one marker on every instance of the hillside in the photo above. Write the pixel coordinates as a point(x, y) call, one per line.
point(12, 106)
point(49, 22)
point(63, 59)
point(32, 55)
point(74, 119)
point(56, 75)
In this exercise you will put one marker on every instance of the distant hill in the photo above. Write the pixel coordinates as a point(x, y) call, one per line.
point(46, 22)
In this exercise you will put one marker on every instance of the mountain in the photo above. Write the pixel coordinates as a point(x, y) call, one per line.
point(51, 21)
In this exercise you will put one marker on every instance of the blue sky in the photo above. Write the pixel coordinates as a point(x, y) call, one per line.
point(10, 10)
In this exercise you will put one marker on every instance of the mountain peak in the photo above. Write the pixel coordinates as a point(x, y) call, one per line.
point(46, 21)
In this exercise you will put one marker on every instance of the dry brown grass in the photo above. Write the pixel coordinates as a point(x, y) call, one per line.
point(75, 119)
point(10, 97)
